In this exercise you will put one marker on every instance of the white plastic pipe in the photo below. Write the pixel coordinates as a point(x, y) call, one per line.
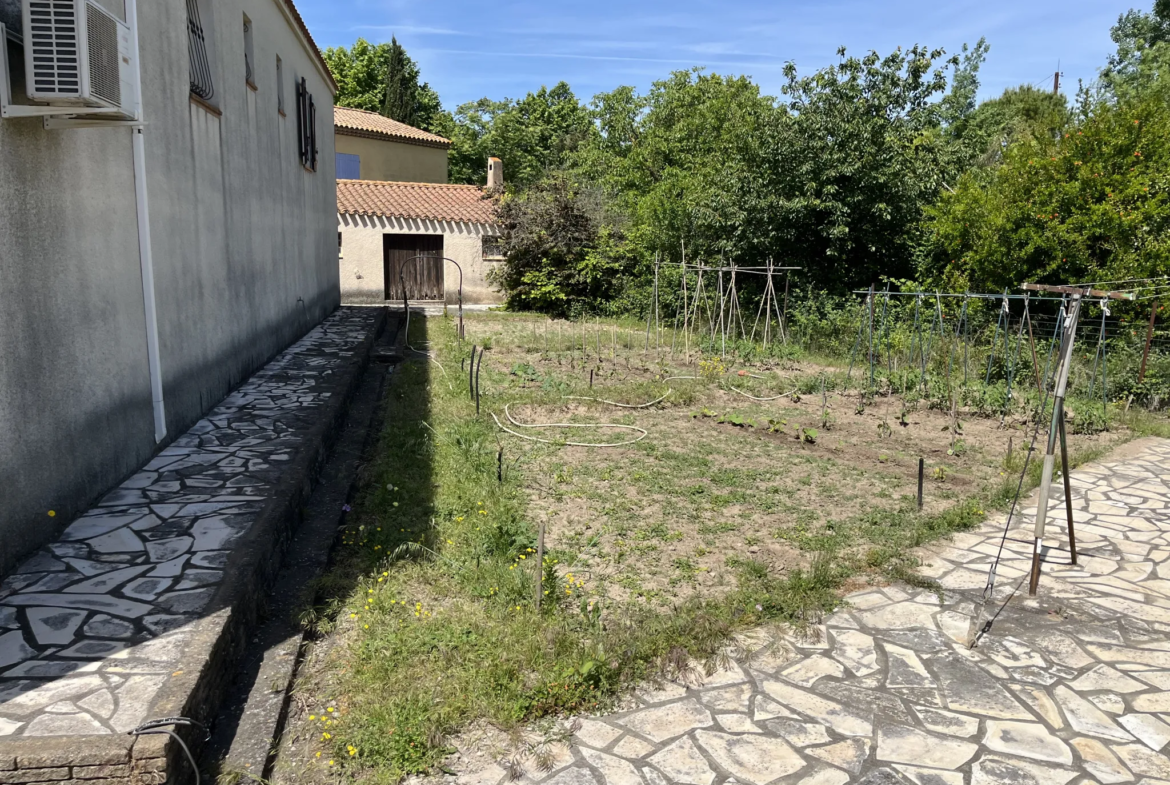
point(145, 259)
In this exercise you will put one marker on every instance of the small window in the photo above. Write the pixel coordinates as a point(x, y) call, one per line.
point(202, 85)
point(306, 126)
point(349, 167)
point(249, 54)
point(492, 249)
point(279, 85)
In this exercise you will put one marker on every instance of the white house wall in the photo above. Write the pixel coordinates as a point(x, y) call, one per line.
point(361, 262)
point(245, 257)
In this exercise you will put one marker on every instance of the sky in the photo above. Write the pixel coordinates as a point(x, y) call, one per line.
point(468, 50)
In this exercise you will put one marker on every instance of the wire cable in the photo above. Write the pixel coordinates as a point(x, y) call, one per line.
point(159, 727)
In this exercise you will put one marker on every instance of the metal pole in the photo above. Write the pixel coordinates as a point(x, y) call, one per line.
point(1072, 536)
point(871, 309)
point(1149, 337)
point(784, 316)
point(886, 333)
point(1062, 371)
point(471, 374)
point(856, 344)
point(478, 366)
point(686, 313)
point(921, 472)
point(1032, 343)
point(540, 567)
point(995, 338)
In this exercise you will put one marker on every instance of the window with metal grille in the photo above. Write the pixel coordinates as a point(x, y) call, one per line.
point(306, 126)
point(249, 54)
point(202, 84)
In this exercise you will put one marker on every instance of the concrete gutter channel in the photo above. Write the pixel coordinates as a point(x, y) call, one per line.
point(245, 733)
point(238, 665)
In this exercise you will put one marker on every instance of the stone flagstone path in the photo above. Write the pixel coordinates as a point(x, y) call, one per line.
point(92, 625)
point(1073, 685)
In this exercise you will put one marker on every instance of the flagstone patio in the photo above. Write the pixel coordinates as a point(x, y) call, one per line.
point(1071, 685)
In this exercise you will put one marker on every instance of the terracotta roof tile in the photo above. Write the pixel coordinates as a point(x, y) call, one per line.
point(424, 201)
point(358, 122)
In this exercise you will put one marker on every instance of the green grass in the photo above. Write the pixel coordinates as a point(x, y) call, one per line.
point(440, 627)
point(432, 596)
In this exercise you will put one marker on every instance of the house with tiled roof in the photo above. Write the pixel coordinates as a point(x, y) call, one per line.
point(373, 147)
point(402, 229)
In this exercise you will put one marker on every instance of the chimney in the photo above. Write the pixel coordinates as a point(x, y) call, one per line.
point(495, 173)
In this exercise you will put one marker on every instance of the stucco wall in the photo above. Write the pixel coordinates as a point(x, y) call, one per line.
point(395, 161)
point(362, 272)
point(245, 250)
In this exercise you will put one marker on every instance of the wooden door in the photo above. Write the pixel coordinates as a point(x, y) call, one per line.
point(423, 277)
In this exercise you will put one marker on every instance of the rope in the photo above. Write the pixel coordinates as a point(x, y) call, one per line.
point(642, 431)
point(615, 403)
point(157, 728)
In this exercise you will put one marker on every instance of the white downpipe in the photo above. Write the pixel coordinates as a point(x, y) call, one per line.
point(145, 259)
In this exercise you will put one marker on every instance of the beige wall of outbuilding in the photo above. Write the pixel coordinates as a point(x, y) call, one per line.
point(361, 262)
point(382, 159)
point(245, 260)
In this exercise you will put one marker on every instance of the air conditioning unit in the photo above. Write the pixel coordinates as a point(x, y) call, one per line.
point(76, 53)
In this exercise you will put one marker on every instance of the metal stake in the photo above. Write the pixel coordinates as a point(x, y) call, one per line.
point(1063, 367)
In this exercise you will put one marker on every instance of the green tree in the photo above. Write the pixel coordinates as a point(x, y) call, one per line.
point(679, 158)
point(532, 136)
point(383, 78)
point(1135, 33)
point(563, 256)
point(850, 168)
point(1090, 204)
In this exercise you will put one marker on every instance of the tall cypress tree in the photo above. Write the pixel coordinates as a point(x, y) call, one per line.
point(401, 86)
